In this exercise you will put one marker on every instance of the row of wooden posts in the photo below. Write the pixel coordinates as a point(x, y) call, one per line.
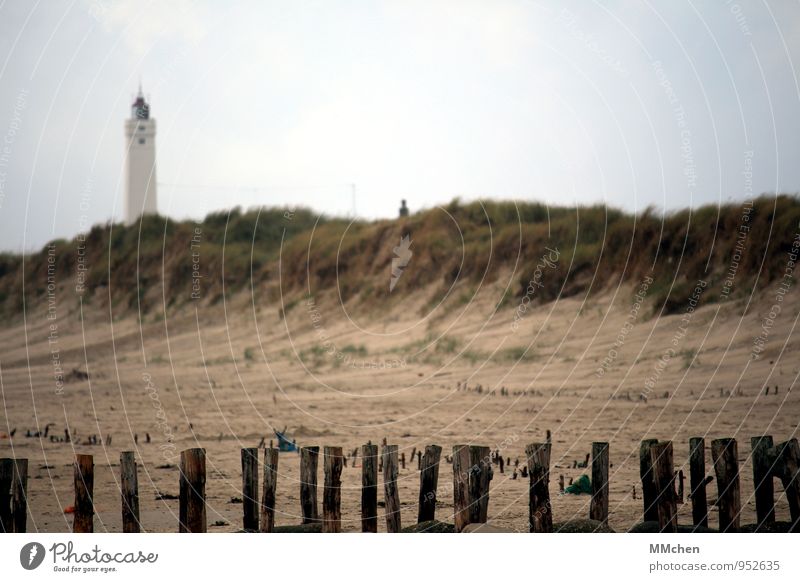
point(769, 462)
point(472, 472)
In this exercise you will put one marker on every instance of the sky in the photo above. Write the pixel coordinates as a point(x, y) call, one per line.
point(350, 106)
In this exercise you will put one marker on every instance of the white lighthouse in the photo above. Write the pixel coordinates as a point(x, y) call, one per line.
point(140, 161)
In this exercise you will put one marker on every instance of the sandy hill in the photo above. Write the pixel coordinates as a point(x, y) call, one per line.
point(506, 320)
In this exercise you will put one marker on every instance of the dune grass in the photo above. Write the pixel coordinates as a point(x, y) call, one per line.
point(598, 248)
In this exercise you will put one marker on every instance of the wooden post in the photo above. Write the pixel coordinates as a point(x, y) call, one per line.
point(472, 471)
point(267, 524)
point(726, 466)
point(309, 459)
point(789, 454)
point(648, 483)
point(6, 480)
point(83, 521)
point(762, 480)
point(192, 494)
point(540, 514)
point(369, 488)
point(428, 482)
point(479, 484)
point(461, 473)
point(250, 490)
point(390, 459)
point(664, 479)
point(129, 490)
point(19, 496)
point(333, 460)
point(598, 508)
point(697, 481)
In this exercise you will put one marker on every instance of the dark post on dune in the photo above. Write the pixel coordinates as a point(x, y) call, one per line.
point(428, 482)
point(309, 460)
point(598, 509)
point(192, 494)
point(648, 484)
point(390, 460)
point(83, 521)
point(540, 514)
point(6, 479)
point(267, 524)
point(664, 479)
point(250, 489)
point(789, 453)
point(129, 491)
point(19, 496)
point(726, 466)
point(472, 471)
point(369, 488)
point(762, 480)
point(333, 461)
point(697, 481)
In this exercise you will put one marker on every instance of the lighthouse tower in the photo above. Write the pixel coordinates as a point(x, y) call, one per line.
point(140, 161)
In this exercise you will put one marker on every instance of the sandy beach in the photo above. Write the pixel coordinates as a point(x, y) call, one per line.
point(224, 376)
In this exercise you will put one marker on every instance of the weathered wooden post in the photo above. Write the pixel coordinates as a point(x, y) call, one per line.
point(697, 481)
point(762, 480)
point(250, 490)
point(6, 480)
point(369, 488)
point(461, 475)
point(309, 459)
point(598, 508)
point(472, 471)
point(428, 482)
point(726, 467)
point(540, 514)
point(267, 522)
point(192, 494)
point(648, 483)
point(480, 487)
point(664, 480)
point(333, 460)
point(83, 520)
point(789, 453)
point(390, 460)
point(129, 490)
point(19, 496)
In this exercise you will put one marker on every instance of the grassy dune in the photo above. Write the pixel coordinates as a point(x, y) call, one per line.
point(148, 267)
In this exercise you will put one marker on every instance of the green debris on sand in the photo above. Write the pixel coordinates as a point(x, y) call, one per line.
point(580, 486)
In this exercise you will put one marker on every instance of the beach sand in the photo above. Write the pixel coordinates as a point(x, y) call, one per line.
point(223, 376)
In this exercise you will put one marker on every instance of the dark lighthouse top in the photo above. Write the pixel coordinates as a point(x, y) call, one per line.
point(140, 108)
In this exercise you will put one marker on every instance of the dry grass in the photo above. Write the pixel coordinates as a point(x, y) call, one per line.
point(148, 267)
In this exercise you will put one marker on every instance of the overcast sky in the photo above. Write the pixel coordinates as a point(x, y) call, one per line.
point(627, 103)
